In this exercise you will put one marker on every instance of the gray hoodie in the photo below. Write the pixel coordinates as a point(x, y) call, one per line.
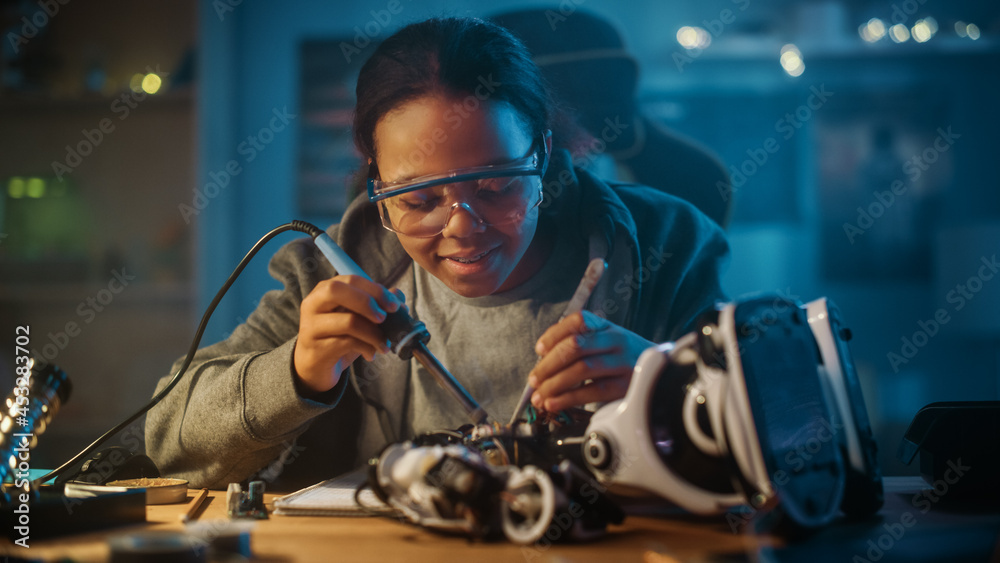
point(238, 412)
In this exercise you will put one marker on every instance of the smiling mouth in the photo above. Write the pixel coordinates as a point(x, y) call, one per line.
point(471, 259)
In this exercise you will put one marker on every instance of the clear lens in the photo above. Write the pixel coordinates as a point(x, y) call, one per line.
point(494, 201)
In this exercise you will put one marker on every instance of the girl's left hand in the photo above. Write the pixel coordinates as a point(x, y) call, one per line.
point(579, 348)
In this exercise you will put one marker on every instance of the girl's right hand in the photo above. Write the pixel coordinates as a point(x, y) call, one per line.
point(338, 323)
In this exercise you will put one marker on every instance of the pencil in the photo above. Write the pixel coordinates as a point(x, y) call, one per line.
point(194, 505)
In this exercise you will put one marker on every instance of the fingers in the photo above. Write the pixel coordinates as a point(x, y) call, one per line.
point(337, 329)
point(577, 323)
point(354, 294)
point(328, 343)
point(339, 322)
point(584, 359)
point(563, 377)
point(348, 306)
point(601, 390)
point(578, 341)
point(598, 377)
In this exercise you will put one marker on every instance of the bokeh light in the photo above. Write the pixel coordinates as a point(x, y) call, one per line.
point(151, 83)
point(693, 37)
point(36, 187)
point(791, 60)
point(932, 24)
point(16, 187)
point(921, 32)
point(872, 31)
point(899, 33)
point(135, 83)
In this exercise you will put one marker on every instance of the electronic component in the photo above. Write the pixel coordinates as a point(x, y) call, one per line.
point(490, 481)
point(758, 409)
point(246, 504)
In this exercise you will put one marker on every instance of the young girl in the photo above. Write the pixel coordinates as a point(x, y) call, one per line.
point(484, 231)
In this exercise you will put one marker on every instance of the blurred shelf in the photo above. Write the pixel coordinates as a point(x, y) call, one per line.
point(146, 293)
point(15, 101)
point(742, 48)
point(751, 65)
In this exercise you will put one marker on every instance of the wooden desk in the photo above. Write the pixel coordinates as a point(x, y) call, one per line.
point(939, 534)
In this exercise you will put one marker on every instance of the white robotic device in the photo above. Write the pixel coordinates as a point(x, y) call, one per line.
point(759, 407)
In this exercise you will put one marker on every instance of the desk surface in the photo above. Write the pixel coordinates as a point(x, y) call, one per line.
point(909, 528)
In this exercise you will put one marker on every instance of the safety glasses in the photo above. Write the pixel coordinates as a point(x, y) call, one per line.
point(497, 194)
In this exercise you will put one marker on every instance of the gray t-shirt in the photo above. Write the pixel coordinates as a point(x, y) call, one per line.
point(463, 332)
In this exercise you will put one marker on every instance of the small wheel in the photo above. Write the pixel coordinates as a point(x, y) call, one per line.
point(528, 505)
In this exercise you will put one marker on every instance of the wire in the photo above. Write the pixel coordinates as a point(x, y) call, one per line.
point(300, 226)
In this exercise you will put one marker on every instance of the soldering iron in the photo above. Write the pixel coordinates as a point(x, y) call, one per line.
point(407, 336)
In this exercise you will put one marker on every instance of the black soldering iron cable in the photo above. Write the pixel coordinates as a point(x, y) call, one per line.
point(300, 226)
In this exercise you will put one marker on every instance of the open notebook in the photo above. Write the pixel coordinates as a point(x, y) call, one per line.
point(334, 497)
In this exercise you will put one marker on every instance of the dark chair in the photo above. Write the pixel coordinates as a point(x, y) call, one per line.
point(593, 77)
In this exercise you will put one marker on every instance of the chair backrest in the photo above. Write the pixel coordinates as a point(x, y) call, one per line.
point(594, 79)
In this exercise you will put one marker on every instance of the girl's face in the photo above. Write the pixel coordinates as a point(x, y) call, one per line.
point(434, 135)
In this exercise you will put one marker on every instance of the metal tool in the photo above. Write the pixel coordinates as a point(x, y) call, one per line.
point(407, 337)
point(595, 269)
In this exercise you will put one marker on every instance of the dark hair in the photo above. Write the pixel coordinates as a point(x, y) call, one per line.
point(451, 56)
